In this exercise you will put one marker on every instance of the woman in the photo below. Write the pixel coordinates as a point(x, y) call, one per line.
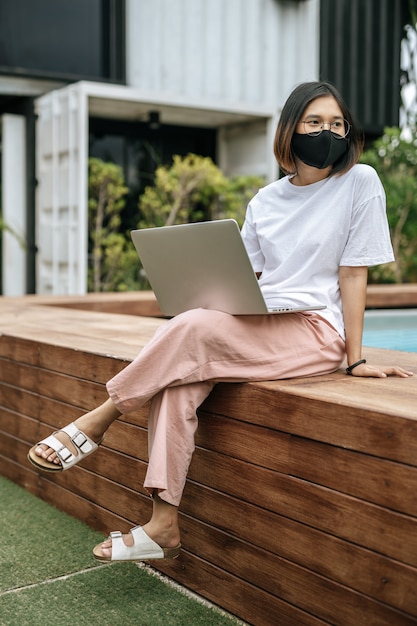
point(311, 237)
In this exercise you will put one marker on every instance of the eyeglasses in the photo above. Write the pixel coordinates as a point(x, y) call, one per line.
point(314, 127)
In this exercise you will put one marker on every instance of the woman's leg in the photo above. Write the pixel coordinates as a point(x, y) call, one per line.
point(172, 426)
point(94, 424)
point(178, 369)
point(163, 527)
point(202, 345)
point(305, 348)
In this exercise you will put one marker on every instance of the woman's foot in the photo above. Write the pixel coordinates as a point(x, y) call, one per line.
point(83, 424)
point(91, 428)
point(162, 531)
point(137, 545)
point(166, 539)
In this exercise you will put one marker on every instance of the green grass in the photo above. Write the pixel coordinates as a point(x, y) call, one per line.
point(48, 575)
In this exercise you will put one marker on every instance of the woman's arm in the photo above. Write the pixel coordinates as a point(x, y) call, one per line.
point(353, 282)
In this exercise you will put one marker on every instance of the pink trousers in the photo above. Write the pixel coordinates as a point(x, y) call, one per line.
point(188, 354)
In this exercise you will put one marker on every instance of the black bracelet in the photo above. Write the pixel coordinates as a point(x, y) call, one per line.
point(350, 368)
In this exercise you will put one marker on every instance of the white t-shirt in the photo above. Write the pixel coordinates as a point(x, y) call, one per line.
point(299, 236)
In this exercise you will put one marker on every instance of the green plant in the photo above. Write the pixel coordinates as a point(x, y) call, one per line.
point(395, 159)
point(110, 255)
point(193, 189)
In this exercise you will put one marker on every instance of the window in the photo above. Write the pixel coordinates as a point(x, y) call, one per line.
point(69, 39)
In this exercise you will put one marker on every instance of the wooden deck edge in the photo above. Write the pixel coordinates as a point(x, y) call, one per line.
point(391, 296)
point(324, 470)
point(144, 303)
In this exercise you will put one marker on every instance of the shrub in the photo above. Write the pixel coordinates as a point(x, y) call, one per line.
point(191, 189)
point(108, 250)
point(395, 159)
point(194, 189)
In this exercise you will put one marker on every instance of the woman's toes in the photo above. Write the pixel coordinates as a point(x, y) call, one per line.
point(48, 454)
point(106, 548)
point(45, 453)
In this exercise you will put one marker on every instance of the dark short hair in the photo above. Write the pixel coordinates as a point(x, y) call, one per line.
point(291, 114)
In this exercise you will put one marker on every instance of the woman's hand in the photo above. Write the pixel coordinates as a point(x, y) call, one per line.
point(372, 371)
point(353, 281)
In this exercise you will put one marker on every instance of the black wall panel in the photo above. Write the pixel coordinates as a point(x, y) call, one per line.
point(360, 46)
point(63, 38)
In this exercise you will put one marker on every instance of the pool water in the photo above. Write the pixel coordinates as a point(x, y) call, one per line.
point(392, 329)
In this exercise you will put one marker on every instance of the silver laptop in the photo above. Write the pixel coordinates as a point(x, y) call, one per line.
point(204, 264)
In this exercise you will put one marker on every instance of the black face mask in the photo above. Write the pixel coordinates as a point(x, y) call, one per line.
point(320, 151)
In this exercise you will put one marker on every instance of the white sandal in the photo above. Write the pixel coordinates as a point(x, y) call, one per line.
point(144, 548)
point(83, 447)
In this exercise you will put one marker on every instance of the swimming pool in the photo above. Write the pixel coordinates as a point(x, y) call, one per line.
point(392, 329)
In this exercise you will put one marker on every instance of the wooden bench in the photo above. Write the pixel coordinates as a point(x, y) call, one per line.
point(144, 303)
point(392, 296)
point(300, 508)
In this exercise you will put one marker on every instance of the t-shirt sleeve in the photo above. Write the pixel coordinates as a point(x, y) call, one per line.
point(250, 239)
point(369, 241)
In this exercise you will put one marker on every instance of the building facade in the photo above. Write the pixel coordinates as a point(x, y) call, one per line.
point(136, 81)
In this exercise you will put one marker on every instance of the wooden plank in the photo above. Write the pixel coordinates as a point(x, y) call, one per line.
point(139, 303)
point(18, 350)
point(69, 389)
point(18, 425)
point(357, 568)
point(304, 412)
point(144, 303)
point(19, 376)
point(121, 336)
point(391, 296)
point(60, 387)
point(403, 478)
point(97, 368)
point(321, 508)
point(386, 483)
point(100, 513)
point(387, 519)
point(19, 401)
point(363, 523)
point(285, 579)
point(56, 358)
point(54, 414)
point(128, 503)
point(13, 448)
point(389, 484)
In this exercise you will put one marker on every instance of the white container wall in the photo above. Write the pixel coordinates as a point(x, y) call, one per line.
point(62, 162)
point(13, 202)
point(223, 64)
point(241, 51)
point(61, 195)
